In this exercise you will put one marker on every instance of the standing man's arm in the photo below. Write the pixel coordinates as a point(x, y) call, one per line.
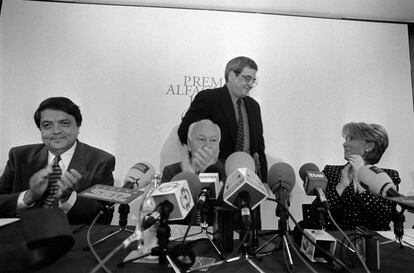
point(261, 151)
point(198, 110)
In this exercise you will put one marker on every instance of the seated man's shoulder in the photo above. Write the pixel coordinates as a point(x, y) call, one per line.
point(96, 152)
point(207, 93)
point(170, 171)
point(27, 149)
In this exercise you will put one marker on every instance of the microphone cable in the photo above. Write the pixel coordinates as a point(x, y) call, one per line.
point(88, 239)
point(298, 254)
point(327, 254)
point(350, 242)
point(192, 218)
point(354, 237)
point(295, 247)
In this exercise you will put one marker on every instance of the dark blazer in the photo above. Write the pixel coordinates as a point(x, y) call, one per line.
point(351, 210)
point(216, 105)
point(170, 171)
point(95, 166)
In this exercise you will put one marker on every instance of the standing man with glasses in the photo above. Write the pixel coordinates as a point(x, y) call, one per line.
point(237, 114)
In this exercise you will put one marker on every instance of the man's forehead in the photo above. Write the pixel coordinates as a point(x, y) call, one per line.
point(205, 130)
point(249, 71)
point(53, 114)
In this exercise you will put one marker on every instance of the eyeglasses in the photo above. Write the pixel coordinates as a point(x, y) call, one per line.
point(249, 79)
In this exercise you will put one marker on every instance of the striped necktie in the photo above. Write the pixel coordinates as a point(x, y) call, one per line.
point(240, 128)
point(52, 187)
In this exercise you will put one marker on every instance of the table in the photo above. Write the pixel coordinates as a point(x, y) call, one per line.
point(393, 258)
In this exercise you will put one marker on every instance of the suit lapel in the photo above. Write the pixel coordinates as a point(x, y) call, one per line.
point(78, 161)
point(36, 163)
point(228, 109)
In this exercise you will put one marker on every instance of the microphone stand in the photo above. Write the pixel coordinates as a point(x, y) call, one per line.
point(204, 212)
point(322, 224)
point(398, 220)
point(162, 250)
point(321, 217)
point(123, 211)
point(245, 249)
point(282, 233)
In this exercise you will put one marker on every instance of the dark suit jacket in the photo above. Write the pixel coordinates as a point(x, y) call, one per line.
point(93, 164)
point(216, 105)
point(170, 171)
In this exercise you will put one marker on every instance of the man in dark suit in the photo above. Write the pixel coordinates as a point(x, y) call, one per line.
point(221, 106)
point(75, 166)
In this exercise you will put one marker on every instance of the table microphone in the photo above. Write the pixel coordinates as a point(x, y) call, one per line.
point(314, 182)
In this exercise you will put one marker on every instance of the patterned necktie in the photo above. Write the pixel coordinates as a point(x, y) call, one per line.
point(52, 186)
point(240, 127)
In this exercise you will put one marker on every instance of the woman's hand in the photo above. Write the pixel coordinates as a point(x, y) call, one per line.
point(356, 163)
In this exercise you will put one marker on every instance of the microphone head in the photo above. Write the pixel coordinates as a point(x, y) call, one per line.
point(141, 173)
point(305, 168)
point(239, 160)
point(215, 169)
point(193, 182)
point(282, 175)
point(375, 180)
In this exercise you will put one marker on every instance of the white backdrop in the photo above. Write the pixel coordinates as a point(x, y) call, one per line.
point(134, 70)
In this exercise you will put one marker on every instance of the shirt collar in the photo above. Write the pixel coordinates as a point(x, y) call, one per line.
point(234, 98)
point(65, 158)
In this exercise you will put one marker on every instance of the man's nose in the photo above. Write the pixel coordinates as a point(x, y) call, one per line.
point(57, 129)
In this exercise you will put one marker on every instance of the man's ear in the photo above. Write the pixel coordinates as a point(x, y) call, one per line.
point(231, 75)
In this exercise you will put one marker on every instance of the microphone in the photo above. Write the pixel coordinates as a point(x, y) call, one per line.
point(203, 197)
point(377, 181)
point(239, 160)
point(214, 168)
point(281, 180)
point(257, 165)
point(192, 180)
point(210, 183)
point(211, 186)
point(245, 211)
point(240, 171)
point(139, 175)
point(314, 182)
point(180, 192)
point(163, 208)
point(244, 190)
